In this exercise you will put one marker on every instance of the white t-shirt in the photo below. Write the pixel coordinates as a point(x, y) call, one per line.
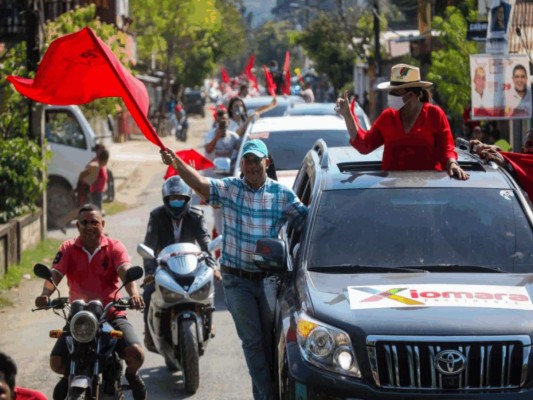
point(228, 146)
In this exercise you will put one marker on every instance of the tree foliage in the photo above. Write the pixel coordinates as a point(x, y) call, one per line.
point(185, 39)
point(21, 169)
point(335, 40)
point(450, 68)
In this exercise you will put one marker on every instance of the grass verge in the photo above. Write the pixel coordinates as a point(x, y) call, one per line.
point(114, 208)
point(44, 253)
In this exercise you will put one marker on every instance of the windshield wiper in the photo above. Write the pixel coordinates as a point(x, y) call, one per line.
point(456, 268)
point(351, 268)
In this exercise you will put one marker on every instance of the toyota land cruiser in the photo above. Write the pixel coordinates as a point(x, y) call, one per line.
point(403, 285)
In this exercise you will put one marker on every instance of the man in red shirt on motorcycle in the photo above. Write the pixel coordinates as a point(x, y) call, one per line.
point(94, 266)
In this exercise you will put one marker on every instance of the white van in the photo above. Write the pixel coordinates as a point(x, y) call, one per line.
point(72, 141)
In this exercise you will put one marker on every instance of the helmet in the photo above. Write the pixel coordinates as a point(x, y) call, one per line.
point(175, 186)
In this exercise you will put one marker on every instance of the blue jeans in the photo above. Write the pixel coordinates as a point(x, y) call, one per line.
point(252, 305)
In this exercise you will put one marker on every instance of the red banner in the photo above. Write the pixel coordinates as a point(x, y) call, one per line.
point(79, 68)
point(523, 166)
point(193, 158)
point(225, 76)
point(287, 75)
point(269, 82)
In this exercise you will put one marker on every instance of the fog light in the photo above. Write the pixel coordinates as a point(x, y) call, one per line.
point(344, 359)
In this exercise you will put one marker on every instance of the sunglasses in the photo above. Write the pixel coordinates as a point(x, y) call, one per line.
point(93, 222)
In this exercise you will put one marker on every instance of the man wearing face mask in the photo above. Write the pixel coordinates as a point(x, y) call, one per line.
point(176, 221)
point(415, 133)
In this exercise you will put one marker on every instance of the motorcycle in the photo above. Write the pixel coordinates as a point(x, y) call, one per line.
point(95, 370)
point(180, 315)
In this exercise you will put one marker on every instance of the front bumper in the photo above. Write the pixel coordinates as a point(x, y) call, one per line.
point(313, 383)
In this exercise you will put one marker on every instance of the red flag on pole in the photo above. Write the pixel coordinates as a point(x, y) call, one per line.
point(248, 71)
point(269, 81)
point(79, 68)
point(225, 76)
point(286, 74)
point(193, 158)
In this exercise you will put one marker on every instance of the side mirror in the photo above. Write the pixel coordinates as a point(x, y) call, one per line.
point(133, 273)
point(271, 255)
point(145, 251)
point(222, 165)
point(215, 244)
point(43, 272)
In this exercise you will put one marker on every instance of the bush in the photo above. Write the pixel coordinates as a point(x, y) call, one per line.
point(21, 177)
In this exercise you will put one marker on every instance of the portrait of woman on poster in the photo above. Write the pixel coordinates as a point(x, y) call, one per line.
point(500, 17)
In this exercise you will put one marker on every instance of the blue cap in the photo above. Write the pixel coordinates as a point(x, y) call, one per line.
point(256, 147)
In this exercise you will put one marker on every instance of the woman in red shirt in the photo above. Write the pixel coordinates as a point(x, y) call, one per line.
point(415, 133)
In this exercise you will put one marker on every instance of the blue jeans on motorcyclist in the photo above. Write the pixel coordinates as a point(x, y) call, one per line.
point(252, 306)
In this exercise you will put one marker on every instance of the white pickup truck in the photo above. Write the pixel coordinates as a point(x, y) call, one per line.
point(71, 140)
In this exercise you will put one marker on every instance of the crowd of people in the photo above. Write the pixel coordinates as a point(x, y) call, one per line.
point(415, 134)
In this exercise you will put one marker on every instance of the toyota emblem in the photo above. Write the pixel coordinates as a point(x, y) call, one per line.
point(450, 362)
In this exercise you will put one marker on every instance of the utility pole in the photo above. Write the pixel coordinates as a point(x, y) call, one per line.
point(377, 52)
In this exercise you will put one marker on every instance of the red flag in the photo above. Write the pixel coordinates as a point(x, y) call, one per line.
point(354, 115)
point(287, 74)
point(269, 81)
point(193, 158)
point(248, 71)
point(225, 76)
point(523, 166)
point(79, 68)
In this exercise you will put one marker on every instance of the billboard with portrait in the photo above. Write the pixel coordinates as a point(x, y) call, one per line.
point(499, 13)
point(500, 86)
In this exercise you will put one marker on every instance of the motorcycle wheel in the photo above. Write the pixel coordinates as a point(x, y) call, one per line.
point(189, 356)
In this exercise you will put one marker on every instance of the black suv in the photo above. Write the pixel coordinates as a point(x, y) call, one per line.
point(404, 285)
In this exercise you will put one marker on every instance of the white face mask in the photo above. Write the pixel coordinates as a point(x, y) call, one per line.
point(395, 102)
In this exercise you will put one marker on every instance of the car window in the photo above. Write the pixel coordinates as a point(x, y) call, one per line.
point(62, 128)
point(417, 227)
point(288, 148)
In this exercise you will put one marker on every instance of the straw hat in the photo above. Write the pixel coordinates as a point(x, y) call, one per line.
point(404, 76)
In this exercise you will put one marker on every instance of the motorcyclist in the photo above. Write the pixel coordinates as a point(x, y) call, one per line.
point(93, 264)
point(175, 221)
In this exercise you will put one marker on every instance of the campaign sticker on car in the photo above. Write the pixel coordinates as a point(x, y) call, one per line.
point(442, 295)
point(260, 135)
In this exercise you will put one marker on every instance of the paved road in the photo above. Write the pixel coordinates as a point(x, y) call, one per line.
point(25, 334)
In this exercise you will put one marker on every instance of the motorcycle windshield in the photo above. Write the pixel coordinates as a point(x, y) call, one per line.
point(182, 264)
point(181, 258)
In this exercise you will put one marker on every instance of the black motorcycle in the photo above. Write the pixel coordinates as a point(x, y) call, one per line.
point(95, 370)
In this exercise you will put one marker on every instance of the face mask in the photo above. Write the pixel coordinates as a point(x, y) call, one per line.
point(395, 102)
point(176, 203)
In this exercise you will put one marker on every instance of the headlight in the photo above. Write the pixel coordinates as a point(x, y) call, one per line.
point(83, 326)
point(326, 347)
point(169, 296)
point(201, 293)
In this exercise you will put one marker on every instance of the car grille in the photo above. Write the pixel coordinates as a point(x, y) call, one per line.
point(409, 362)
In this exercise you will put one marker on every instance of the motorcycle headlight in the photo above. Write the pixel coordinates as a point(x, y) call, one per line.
point(170, 296)
point(326, 347)
point(201, 293)
point(83, 326)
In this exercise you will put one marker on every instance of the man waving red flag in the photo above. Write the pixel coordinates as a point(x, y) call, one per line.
point(79, 68)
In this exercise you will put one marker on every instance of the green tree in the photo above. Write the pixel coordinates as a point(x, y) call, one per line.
point(450, 65)
point(334, 41)
point(185, 39)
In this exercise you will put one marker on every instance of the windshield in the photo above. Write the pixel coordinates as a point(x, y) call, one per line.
point(288, 148)
point(421, 227)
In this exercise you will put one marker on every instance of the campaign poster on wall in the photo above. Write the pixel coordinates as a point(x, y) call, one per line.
point(500, 86)
point(499, 15)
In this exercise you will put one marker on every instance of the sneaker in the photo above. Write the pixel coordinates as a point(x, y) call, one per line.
point(137, 386)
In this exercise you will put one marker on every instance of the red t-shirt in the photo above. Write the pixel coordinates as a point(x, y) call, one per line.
point(427, 146)
point(28, 394)
point(92, 277)
point(101, 180)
